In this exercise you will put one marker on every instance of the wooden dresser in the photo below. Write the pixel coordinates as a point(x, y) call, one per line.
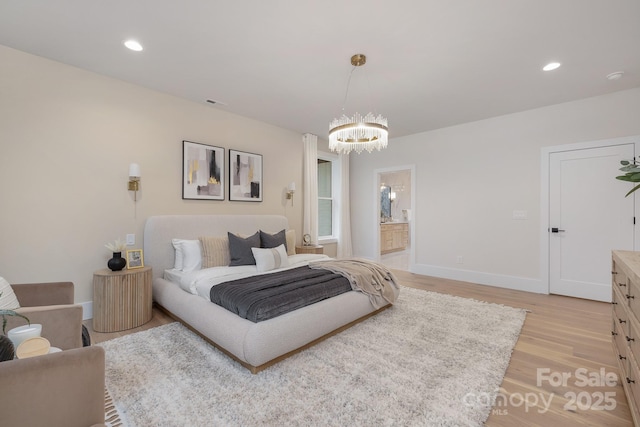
point(625, 331)
point(394, 236)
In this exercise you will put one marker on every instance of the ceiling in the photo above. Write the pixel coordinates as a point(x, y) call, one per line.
point(430, 63)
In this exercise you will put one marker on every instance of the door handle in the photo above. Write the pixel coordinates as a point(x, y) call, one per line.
point(556, 230)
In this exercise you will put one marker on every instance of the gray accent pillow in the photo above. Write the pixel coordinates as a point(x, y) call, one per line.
point(240, 249)
point(273, 240)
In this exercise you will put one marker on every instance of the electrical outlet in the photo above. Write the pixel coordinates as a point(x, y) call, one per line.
point(459, 260)
point(131, 239)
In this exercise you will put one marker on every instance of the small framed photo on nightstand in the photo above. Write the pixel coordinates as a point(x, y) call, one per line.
point(134, 259)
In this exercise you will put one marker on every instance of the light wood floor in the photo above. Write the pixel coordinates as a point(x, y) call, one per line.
point(560, 334)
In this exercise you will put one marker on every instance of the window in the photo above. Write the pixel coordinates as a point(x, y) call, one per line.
point(328, 195)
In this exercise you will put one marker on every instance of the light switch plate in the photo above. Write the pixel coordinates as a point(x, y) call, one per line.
point(519, 215)
point(131, 239)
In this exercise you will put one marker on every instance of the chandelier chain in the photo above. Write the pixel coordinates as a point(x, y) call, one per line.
point(346, 92)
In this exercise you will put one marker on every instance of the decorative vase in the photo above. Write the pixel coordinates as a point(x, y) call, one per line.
point(117, 263)
point(24, 332)
point(7, 350)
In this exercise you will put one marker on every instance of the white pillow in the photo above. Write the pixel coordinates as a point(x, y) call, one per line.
point(271, 258)
point(8, 300)
point(188, 255)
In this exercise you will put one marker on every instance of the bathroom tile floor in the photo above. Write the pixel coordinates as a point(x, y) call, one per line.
point(396, 260)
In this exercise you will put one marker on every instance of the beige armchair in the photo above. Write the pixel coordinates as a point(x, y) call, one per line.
point(58, 389)
point(51, 305)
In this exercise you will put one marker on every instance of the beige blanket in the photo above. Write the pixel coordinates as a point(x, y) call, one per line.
point(373, 279)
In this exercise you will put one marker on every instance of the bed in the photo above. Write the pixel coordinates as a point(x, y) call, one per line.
point(254, 345)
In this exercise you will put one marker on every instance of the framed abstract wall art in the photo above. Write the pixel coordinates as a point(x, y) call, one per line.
point(245, 176)
point(202, 171)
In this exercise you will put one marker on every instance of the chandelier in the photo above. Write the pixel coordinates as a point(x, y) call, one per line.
point(358, 133)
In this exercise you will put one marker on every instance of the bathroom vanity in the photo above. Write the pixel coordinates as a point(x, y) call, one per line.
point(394, 236)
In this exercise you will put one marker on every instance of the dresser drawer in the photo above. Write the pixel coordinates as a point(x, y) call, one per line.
point(617, 273)
point(632, 379)
point(619, 305)
point(621, 286)
point(620, 311)
point(633, 299)
point(633, 337)
point(620, 344)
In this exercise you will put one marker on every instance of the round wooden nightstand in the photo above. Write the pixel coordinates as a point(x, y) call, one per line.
point(121, 299)
point(310, 249)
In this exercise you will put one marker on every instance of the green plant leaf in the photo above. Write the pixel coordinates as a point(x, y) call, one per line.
point(632, 190)
point(4, 313)
point(630, 168)
point(624, 162)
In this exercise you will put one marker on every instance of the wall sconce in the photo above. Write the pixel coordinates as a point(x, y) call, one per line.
point(392, 196)
point(290, 190)
point(134, 179)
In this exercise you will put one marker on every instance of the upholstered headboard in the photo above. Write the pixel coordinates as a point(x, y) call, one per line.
point(159, 230)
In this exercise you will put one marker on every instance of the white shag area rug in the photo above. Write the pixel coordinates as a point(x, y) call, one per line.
point(416, 363)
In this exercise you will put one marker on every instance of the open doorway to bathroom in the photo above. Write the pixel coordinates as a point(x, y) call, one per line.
point(395, 217)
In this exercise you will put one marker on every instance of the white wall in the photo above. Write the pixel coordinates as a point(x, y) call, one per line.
point(67, 138)
point(470, 178)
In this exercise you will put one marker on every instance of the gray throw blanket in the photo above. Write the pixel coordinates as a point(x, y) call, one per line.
point(262, 297)
point(373, 279)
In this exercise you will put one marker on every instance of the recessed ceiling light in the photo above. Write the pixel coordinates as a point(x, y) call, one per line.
point(133, 45)
point(615, 76)
point(551, 66)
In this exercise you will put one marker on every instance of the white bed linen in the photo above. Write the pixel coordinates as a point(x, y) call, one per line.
point(200, 282)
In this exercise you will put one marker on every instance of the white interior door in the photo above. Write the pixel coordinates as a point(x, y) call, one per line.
point(588, 218)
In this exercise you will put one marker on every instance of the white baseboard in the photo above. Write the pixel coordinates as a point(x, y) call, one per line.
point(490, 279)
